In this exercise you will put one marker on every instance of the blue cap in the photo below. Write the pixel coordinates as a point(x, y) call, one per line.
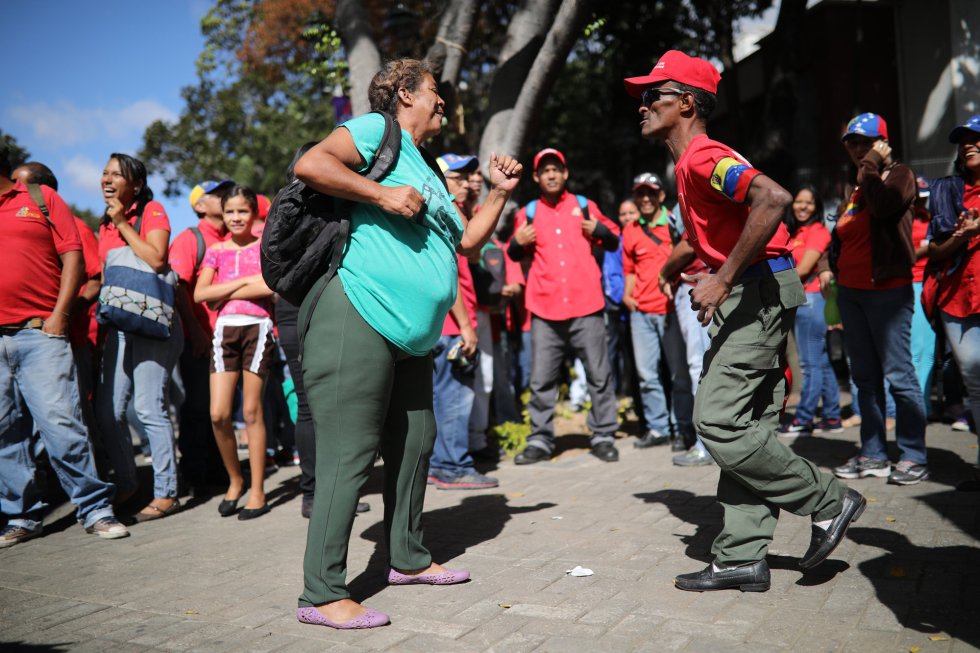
point(206, 187)
point(458, 163)
point(867, 124)
point(972, 124)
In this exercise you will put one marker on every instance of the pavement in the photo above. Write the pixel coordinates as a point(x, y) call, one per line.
point(906, 578)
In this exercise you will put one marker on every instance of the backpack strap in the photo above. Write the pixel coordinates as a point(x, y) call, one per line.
point(201, 248)
point(652, 236)
point(583, 203)
point(35, 192)
point(530, 210)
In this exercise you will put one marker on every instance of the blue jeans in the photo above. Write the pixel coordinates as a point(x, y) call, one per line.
point(37, 372)
point(137, 369)
point(696, 341)
point(652, 335)
point(452, 403)
point(877, 326)
point(819, 380)
point(963, 336)
point(923, 346)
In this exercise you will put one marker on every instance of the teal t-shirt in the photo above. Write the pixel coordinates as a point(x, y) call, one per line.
point(400, 273)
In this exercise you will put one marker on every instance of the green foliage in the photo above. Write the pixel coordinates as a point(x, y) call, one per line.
point(18, 154)
point(240, 121)
point(511, 436)
point(87, 216)
point(328, 65)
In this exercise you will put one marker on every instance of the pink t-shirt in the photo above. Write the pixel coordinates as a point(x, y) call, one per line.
point(230, 263)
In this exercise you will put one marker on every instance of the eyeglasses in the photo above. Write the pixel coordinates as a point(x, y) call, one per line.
point(651, 95)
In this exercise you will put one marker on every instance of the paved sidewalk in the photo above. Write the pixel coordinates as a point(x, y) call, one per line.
point(906, 579)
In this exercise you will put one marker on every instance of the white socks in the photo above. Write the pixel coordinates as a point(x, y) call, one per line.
point(824, 524)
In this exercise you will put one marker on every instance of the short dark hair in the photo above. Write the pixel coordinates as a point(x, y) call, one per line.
point(242, 191)
point(5, 168)
point(704, 101)
point(41, 174)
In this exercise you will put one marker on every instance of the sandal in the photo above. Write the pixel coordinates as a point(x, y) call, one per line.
point(159, 514)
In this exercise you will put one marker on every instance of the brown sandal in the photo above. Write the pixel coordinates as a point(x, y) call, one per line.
point(159, 514)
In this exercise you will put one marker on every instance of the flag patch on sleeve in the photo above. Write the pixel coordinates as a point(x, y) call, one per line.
point(729, 178)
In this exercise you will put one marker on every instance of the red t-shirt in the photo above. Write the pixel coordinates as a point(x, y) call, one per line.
point(854, 264)
point(30, 268)
point(645, 258)
point(920, 227)
point(712, 185)
point(83, 329)
point(696, 267)
point(959, 295)
point(813, 236)
point(154, 217)
point(564, 280)
point(449, 326)
point(183, 261)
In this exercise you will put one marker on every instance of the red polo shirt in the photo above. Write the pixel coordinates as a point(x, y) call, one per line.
point(449, 326)
point(30, 268)
point(959, 293)
point(564, 280)
point(645, 258)
point(854, 264)
point(183, 260)
point(154, 217)
point(83, 329)
point(712, 185)
point(813, 236)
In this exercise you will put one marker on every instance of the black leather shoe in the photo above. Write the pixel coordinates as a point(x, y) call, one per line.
point(747, 578)
point(252, 513)
point(228, 507)
point(651, 439)
point(531, 455)
point(823, 542)
point(306, 508)
point(606, 452)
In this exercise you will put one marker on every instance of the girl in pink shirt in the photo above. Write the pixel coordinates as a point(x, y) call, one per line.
point(243, 345)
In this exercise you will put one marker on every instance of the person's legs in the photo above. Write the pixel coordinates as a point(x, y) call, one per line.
point(737, 411)
point(482, 384)
point(223, 386)
point(647, 330)
point(682, 391)
point(200, 462)
point(305, 437)
point(587, 336)
point(112, 398)
point(963, 335)
point(810, 344)
point(548, 340)
point(153, 361)
point(252, 386)
point(696, 343)
point(890, 316)
point(409, 434)
point(349, 386)
point(453, 403)
point(504, 402)
point(923, 346)
point(46, 379)
point(861, 342)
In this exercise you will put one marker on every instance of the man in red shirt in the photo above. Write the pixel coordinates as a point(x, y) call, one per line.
point(82, 328)
point(732, 215)
point(40, 274)
point(647, 244)
point(200, 463)
point(564, 296)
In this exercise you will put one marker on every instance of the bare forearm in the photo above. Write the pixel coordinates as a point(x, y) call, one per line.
point(153, 256)
point(72, 270)
point(217, 291)
point(481, 226)
point(946, 249)
point(255, 289)
point(680, 257)
point(768, 203)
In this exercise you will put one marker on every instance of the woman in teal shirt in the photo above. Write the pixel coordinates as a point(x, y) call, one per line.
point(366, 364)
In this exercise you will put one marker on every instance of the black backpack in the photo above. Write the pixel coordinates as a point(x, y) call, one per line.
point(306, 231)
point(489, 276)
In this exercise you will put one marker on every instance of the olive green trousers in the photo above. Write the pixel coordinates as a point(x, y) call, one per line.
point(365, 394)
point(736, 412)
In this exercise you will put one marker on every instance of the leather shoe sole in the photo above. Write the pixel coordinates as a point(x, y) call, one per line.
point(823, 542)
point(531, 455)
point(606, 452)
point(746, 578)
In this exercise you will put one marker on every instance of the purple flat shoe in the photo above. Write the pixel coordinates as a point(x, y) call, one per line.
point(370, 619)
point(448, 577)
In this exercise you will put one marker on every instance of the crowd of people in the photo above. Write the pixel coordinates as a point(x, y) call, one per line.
point(441, 316)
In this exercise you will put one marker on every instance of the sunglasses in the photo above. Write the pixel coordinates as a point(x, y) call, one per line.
point(651, 95)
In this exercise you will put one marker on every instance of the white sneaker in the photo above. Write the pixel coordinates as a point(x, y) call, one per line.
point(108, 528)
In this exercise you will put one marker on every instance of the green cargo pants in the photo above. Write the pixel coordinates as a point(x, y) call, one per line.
point(364, 393)
point(736, 411)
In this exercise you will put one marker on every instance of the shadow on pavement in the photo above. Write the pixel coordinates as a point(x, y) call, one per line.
point(929, 589)
point(449, 533)
point(706, 513)
point(23, 647)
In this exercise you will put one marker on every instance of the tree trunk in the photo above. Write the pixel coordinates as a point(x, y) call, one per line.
point(525, 35)
point(449, 51)
point(363, 56)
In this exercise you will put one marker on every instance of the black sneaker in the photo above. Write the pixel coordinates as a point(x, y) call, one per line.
point(795, 429)
point(861, 467)
point(651, 438)
point(828, 426)
point(472, 480)
point(606, 452)
point(531, 455)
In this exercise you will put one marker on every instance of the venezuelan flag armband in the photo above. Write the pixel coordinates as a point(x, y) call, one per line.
point(731, 177)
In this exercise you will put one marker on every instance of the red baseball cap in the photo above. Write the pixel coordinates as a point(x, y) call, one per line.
point(548, 151)
point(264, 206)
point(679, 67)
